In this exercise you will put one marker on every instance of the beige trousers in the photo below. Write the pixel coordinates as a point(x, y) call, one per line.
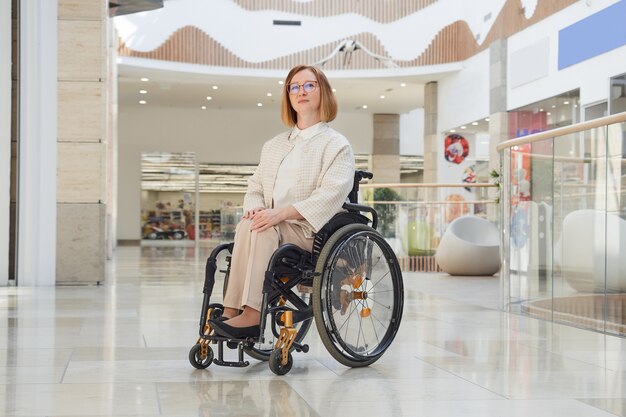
point(250, 259)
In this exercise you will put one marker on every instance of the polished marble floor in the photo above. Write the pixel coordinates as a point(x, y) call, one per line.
point(120, 349)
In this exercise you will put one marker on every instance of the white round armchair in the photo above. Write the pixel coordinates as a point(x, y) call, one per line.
point(470, 246)
point(589, 252)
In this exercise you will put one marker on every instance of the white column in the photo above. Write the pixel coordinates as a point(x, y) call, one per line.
point(5, 137)
point(37, 219)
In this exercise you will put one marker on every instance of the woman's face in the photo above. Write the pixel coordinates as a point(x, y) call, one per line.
point(305, 102)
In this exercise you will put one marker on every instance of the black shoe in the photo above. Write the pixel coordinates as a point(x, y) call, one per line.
point(230, 345)
point(297, 315)
point(223, 329)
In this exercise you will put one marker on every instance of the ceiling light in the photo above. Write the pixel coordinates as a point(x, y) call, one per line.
point(463, 127)
point(553, 106)
point(281, 82)
point(259, 104)
point(142, 102)
point(209, 98)
point(215, 87)
point(143, 92)
point(575, 105)
point(487, 119)
point(334, 90)
point(540, 109)
point(548, 113)
point(365, 106)
point(402, 85)
point(203, 107)
point(566, 102)
point(382, 96)
point(144, 79)
point(269, 94)
point(452, 130)
point(484, 142)
point(474, 123)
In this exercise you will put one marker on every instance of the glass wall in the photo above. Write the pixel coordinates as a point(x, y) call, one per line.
point(617, 103)
point(565, 238)
point(168, 194)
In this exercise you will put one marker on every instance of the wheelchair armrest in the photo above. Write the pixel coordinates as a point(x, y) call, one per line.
point(359, 208)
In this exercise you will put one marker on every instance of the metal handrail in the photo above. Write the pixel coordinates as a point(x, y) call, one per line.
point(426, 185)
point(562, 131)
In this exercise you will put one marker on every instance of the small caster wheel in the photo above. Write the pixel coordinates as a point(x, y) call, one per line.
point(197, 360)
point(216, 313)
point(276, 362)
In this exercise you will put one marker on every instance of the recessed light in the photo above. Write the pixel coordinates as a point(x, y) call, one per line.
point(382, 96)
point(142, 101)
point(575, 105)
point(402, 85)
point(281, 82)
point(334, 90)
point(259, 104)
point(463, 127)
point(487, 119)
point(269, 94)
point(540, 109)
point(548, 113)
point(554, 106)
point(474, 123)
point(203, 107)
point(215, 87)
point(209, 98)
point(143, 92)
point(452, 130)
point(365, 106)
point(144, 79)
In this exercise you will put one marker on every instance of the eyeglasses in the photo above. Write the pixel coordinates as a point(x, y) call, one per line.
point(307, 87)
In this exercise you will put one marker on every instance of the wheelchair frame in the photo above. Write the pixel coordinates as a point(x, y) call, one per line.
point(291, 267)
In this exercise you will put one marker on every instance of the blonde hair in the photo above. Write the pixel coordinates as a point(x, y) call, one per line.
point(328, 103)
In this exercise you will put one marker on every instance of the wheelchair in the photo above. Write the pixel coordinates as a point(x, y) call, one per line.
point(350, 284)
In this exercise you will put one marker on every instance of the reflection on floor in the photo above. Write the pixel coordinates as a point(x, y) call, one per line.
point(121, 350)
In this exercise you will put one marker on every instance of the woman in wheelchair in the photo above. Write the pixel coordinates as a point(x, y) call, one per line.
point(301, 251)
point(302, 180)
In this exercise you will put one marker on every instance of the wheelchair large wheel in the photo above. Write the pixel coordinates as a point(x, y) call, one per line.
point(357, 296)
point(263, 351)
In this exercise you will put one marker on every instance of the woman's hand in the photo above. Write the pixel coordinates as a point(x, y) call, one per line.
point(250, 213)
point(264, 219)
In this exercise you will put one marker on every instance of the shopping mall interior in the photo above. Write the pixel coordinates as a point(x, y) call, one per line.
point(479, 272)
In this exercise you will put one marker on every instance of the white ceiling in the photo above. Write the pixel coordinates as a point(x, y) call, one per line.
point(190, 90)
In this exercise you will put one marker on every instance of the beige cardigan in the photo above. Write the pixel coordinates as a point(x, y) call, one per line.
point(324, 180)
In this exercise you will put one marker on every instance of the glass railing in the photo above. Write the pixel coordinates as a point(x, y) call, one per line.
point(414, 217)
point(564, 225)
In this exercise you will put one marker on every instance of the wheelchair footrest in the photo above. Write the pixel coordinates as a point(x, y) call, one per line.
point(220, 356)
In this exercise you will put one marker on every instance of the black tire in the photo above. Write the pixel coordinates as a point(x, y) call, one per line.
point(357, 257)
point(195, 357)
point(276, 362)
point(264, 351)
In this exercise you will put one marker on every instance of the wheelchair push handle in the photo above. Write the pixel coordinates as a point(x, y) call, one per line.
point(358, 176)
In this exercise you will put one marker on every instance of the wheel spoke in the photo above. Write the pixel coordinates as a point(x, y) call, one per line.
point(379, 303)
point(346, 320)
point(381, 278)
point(378, 292)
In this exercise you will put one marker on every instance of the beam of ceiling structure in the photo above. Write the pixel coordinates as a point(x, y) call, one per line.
point(123, 7)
